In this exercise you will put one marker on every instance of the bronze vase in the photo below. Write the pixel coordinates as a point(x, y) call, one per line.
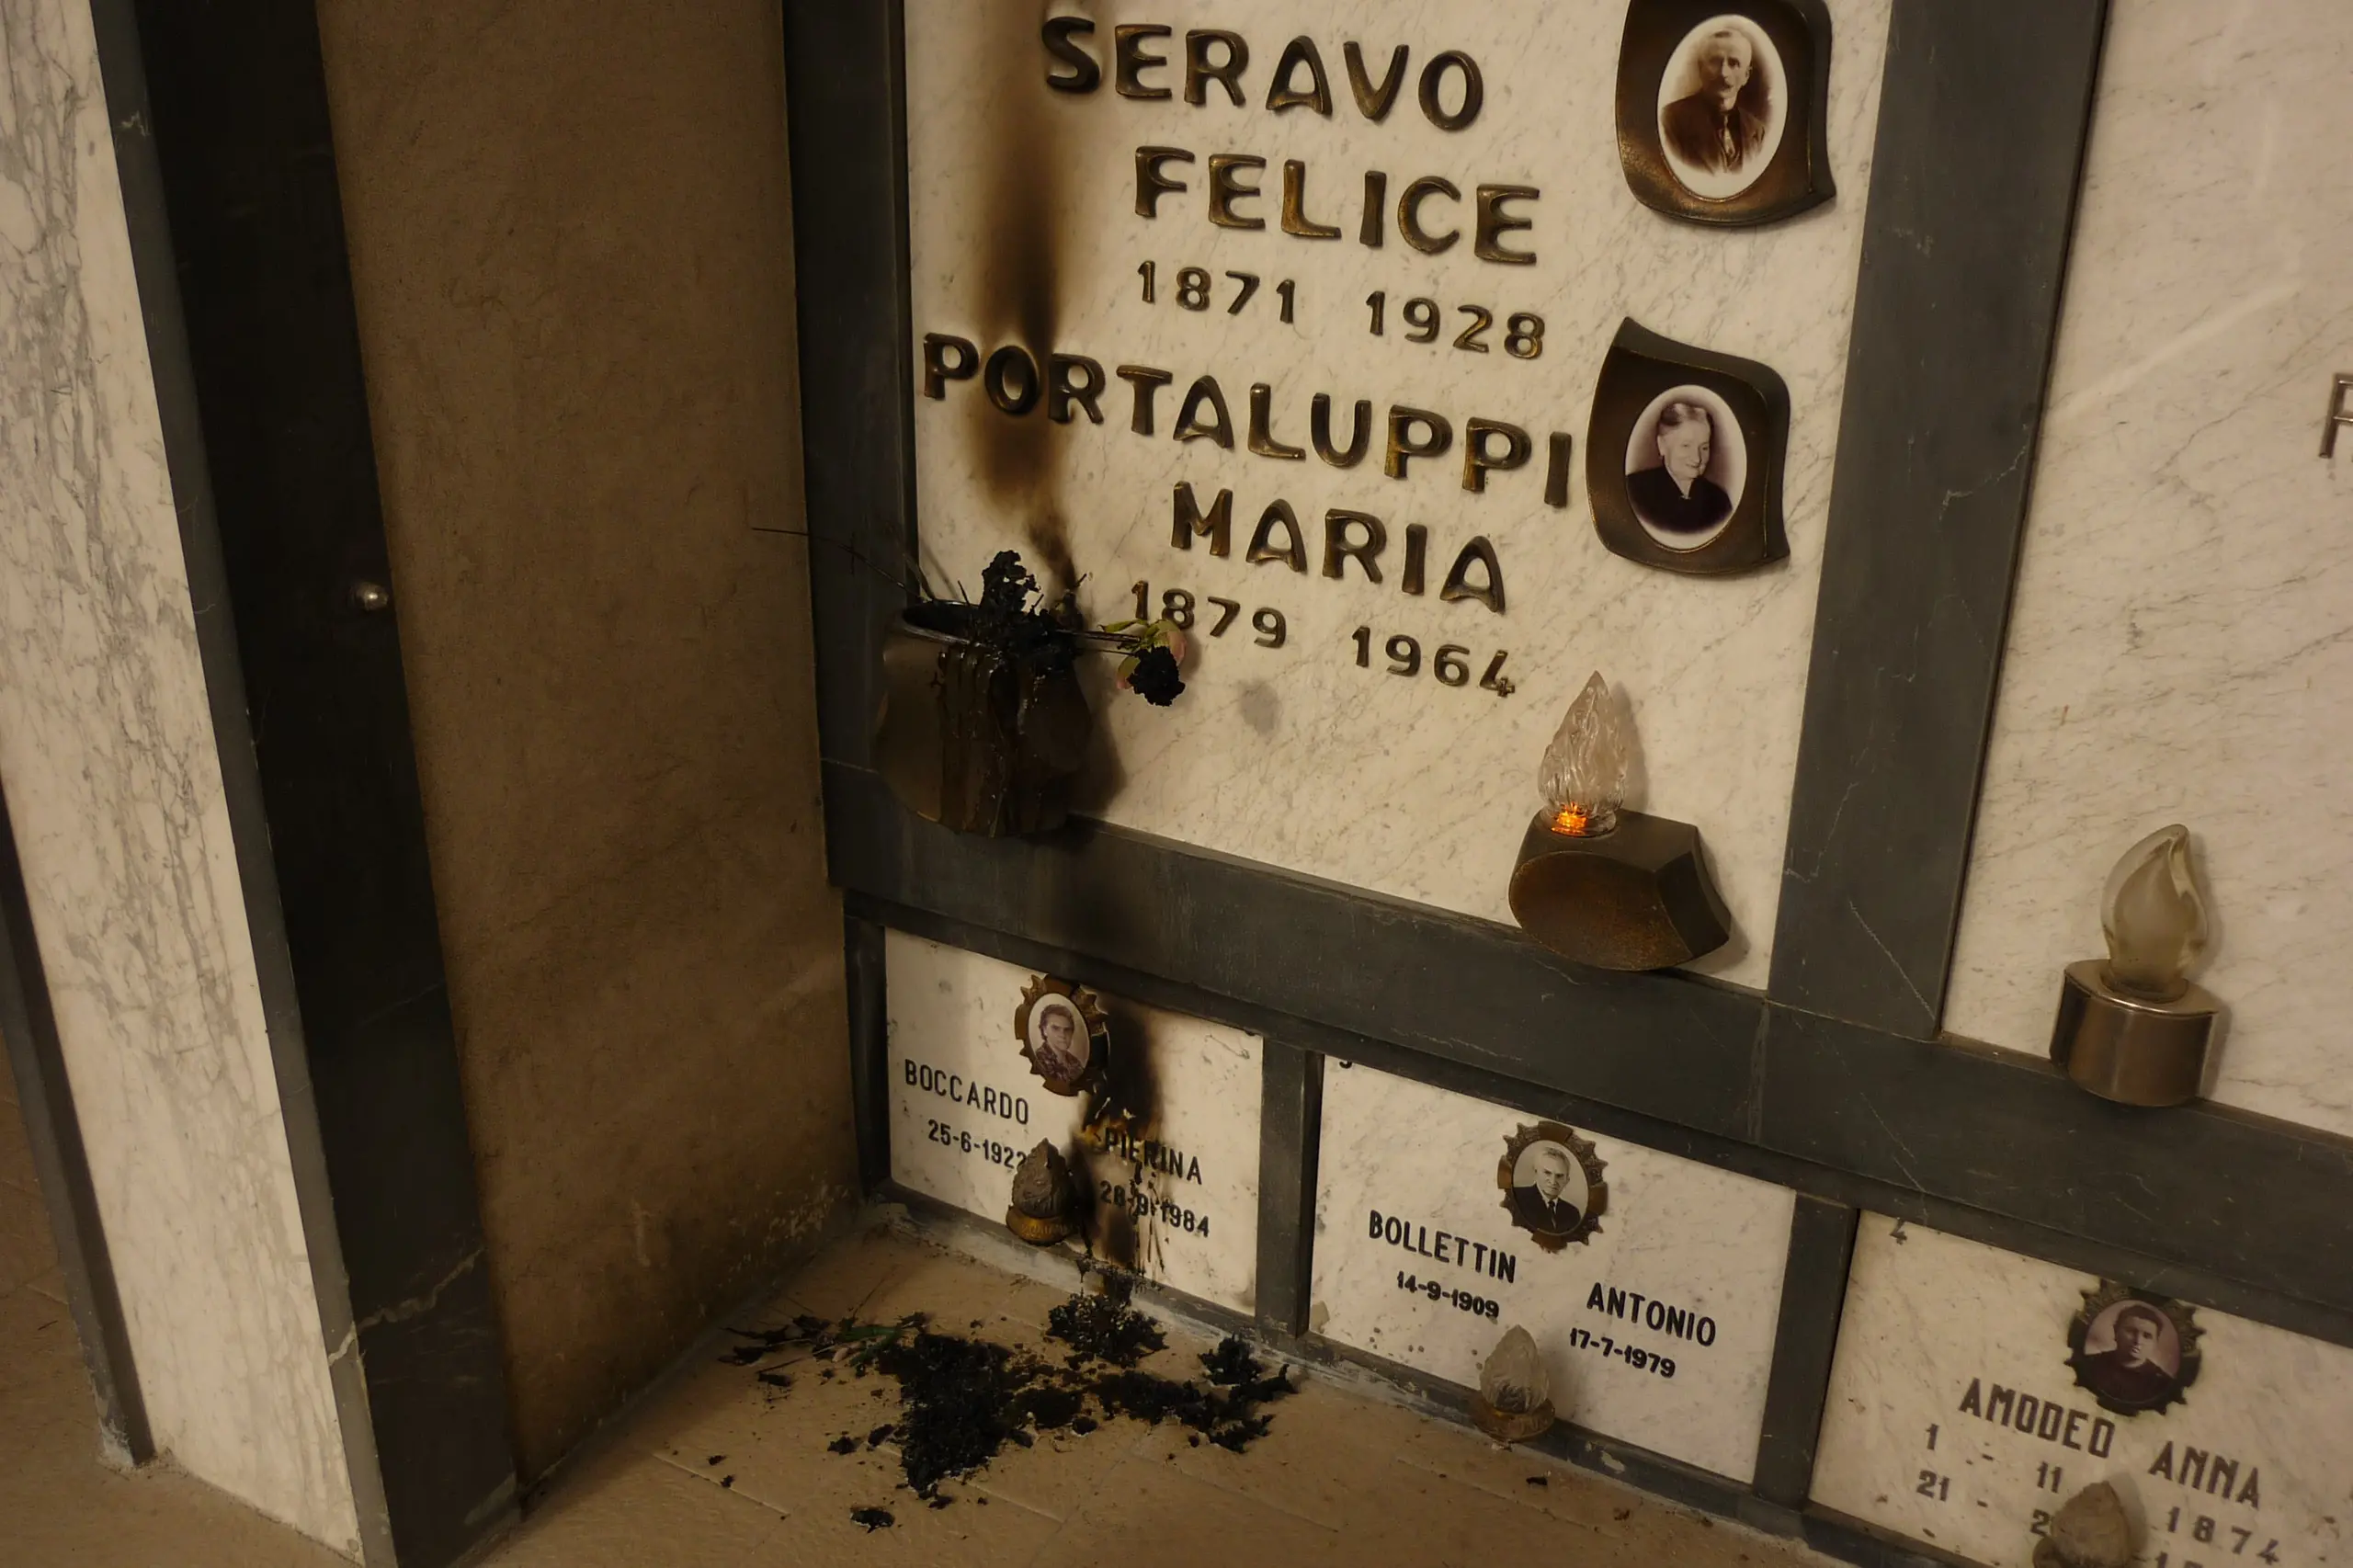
point(975, 737)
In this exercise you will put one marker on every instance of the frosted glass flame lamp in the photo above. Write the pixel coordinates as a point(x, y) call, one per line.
point(2132, 1028)
point(1598, 883)
point(1584, 775)
point(1514, 1400)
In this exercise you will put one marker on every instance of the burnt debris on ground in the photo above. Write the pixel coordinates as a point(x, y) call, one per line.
point(962, 1400)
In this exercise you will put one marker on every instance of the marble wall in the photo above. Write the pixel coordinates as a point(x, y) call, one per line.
point(107, 754)
point(1024, 231)
point(1954, 1418)
point(1174, 1196)
point(1709, 1245)
point(2182, 645)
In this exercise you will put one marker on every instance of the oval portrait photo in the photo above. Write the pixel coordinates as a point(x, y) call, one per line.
point(2132, 1357)
point(1687, 465)
point(1548, 1194)
point(1059, 1046)
point(1722, 106)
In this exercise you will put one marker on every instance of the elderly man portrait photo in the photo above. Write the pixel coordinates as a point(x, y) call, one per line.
point(1544, 1203)
point(2129, 1372)
point(1677, 496)
point(1720, 128)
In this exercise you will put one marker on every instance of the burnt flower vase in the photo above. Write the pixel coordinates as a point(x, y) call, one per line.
point(977, 734)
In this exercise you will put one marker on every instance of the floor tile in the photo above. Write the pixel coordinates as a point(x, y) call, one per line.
point(1322, 1448)
point(1460, 1453)
point(632, 1510)
point(1148, 1513)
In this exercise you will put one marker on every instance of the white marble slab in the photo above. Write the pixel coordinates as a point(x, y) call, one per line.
point(1022, 226)
point(113, 778)
point(1684, 1236)
point(2182, 645)
point(965, 1107)
point(1929, 1318)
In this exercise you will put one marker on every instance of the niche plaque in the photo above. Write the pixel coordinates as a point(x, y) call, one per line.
point(1975, 1391)
point(1158, 1113)
point(1654, 1313)
point(1284, 326)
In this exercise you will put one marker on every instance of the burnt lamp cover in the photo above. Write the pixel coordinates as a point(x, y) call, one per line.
point(1685, 455)
point(1040, 1209)
point(1724, 108)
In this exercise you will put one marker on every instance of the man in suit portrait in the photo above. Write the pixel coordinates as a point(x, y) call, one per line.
point(1543, 1205)
point(1721, 127)
point(2129, 1372)
point(1677, 496)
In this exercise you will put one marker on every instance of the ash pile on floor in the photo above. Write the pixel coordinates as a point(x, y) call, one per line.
point(962, 1400)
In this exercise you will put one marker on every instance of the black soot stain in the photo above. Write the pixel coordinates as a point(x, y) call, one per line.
point(962, 1400)
point(1123, 1119)
point(1025, 178)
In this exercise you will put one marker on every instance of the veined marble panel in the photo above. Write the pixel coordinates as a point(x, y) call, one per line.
point(1707, 1244)
point(1951, 1357)
point(1022, 205)
point(2182, 644)
point(1177, 1199)
point(107, 754)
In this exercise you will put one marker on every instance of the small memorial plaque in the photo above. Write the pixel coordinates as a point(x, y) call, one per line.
point(1655, 1322)
point(1975, 1391)
point(1161, 1131)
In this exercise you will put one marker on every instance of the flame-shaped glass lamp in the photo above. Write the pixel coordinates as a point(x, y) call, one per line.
point(1598, 883)
point(1584, 775)
point(1515, 1399)
point(2132, 1028)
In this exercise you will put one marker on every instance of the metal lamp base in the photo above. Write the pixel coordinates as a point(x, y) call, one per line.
point(1037, 1232)
point(2133, 1051)
point(1511, 1425)
point(1637, 897)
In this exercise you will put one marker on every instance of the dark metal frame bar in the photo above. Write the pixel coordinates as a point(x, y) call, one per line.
point(229, 180)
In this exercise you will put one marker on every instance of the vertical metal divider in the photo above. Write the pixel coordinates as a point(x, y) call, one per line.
point(869, 1048)
point(1291, 1128)
point(1813, 1292)
point(1956, 321)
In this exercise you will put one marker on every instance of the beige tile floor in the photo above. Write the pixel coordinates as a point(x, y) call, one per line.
point(716, 1470)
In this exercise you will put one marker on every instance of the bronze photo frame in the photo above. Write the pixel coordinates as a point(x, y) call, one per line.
point(2140, 1366)
point(1075, 1056)
point(1757, 158)
point(1553, 1218)
point(1655, 403)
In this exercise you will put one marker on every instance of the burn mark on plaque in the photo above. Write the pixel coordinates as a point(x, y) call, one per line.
point(1024, 185)
point(1123, 1120)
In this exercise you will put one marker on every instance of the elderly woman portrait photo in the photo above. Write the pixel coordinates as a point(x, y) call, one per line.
point(1686, 464)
